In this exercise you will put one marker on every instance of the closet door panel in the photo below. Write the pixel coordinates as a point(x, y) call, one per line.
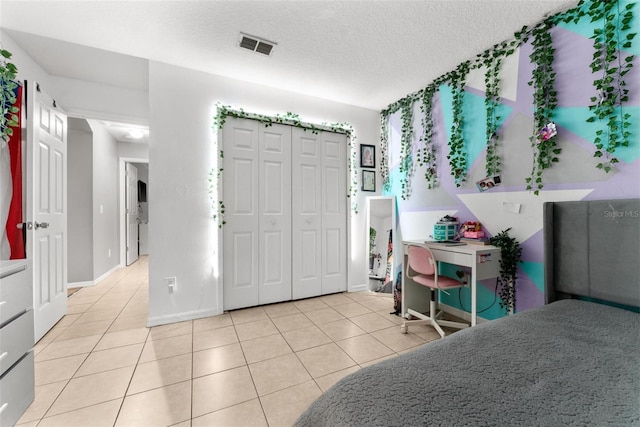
point(240, 189)
point(275, 214)
point(334, 213)
point(307, 214)
point(286, 213)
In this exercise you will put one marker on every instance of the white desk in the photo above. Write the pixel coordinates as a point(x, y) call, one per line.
point(484, 262)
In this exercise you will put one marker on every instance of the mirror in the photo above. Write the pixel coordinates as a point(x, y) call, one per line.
point(380, 238)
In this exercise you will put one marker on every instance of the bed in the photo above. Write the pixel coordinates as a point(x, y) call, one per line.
point(573, 361)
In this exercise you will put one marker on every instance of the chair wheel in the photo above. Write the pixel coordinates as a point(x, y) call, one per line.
point(404, 329)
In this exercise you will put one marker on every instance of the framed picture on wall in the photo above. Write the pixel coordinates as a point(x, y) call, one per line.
point(367, 156)
point(368, 180)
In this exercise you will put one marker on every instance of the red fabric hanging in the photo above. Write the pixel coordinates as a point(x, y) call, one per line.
point(14, 235)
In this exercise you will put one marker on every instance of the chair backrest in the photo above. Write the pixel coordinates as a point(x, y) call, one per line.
point(421, 260)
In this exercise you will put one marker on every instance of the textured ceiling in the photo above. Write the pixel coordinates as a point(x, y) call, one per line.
point(364, 53)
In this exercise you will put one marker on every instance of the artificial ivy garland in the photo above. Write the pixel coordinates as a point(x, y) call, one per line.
point(384, 148)
point(545, 100)
point(9, 114)
point(214, 178)
point(611, 87)
point(493, 64)
point(612, 90)
point(406, 148)
point(426, 154)
point(457, 155)
point(405, 106)
point(292, 119)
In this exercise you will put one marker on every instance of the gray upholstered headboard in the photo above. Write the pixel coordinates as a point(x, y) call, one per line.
point(592, 249)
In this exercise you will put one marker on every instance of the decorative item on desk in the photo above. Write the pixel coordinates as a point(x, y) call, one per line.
point(471, 230)
point(470, 226)
point(483, 241)
point(447, 218)
point(445, 229)
point(488, 183)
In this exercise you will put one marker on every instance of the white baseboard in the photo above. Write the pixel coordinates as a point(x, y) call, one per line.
point(359, 288)
point(107, 274)
point(181, 317)
point(80, 284)
point(94, 282)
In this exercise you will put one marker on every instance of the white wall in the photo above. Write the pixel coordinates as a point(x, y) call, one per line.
point(106, 240)
point(105, 102)
point(182, 233)
point(181, 157)
point(80, 205)
point(133, 150)
point(82, 98)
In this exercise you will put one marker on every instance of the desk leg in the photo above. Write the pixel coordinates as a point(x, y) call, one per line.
point(474, 297)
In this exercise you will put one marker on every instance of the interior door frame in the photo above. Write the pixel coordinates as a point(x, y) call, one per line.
point(122, 169)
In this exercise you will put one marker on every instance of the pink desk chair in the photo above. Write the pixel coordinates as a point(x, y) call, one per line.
point(422, 268)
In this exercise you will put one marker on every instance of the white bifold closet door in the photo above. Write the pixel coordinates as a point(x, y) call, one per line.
point(319, 213)
point(257, 197)
point(284, 192)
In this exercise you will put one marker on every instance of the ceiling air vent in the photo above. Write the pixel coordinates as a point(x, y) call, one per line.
point(256, 44)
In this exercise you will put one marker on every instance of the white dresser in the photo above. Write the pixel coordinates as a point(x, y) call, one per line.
point(16, 341)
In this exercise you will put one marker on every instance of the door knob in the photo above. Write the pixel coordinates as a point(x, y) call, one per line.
point(40, 225)
point(24, 225)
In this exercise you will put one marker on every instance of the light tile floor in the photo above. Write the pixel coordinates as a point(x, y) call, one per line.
point(262, 366)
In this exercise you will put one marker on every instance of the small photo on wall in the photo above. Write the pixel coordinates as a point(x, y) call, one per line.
point(488, 183)
point(368, 181)
point(368, 156)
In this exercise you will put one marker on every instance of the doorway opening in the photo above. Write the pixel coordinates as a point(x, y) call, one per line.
point(134, 208)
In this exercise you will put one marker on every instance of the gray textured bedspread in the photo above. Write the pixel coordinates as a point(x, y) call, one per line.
point(567, 363)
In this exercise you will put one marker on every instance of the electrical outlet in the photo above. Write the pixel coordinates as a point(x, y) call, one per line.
point(171, 284)
point(109, 253)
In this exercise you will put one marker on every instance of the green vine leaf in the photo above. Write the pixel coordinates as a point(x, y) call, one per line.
point(608, 107)
point(457, 154)
point(426, 154)
point(9, 115)
point(492, 97)
point(543, 140)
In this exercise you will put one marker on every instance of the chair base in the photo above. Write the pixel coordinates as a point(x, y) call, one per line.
point(433, 319)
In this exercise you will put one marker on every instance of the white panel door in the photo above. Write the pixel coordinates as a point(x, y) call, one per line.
point(334, 212)
point(131, 202)
point(242, 214)
point(307, 215)
point(47, 208)
point(275, 214)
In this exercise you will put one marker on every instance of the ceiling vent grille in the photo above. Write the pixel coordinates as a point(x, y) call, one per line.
point(256, 44)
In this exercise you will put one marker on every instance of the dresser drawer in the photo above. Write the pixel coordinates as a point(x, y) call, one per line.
point(16, 295)
point(17, 339)
point(17, 391)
